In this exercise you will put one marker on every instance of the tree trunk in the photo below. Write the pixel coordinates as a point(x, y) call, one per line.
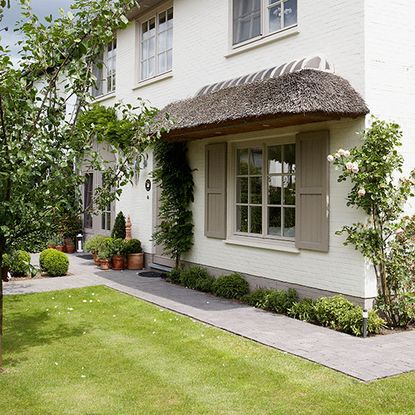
point(2, 246)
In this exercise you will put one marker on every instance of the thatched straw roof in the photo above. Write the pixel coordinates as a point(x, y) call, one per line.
point(294, 98)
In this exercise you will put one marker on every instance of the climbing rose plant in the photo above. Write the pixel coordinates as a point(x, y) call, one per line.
point(387, 237)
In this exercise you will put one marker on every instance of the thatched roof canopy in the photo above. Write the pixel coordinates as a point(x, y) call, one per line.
point(294, 98)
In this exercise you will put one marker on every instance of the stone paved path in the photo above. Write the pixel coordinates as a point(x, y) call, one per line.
point(365, 359)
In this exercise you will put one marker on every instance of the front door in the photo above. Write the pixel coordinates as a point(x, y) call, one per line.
point(159, 258)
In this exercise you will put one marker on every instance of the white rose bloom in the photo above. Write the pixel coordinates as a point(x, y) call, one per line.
point(341, 152)
point(337, 155)
point(347, 153)
point(355, 168)
point(361, 192)
point(330, 158)
point(349, 165)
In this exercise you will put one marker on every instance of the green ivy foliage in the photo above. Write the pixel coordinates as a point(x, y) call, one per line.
point(174, 176)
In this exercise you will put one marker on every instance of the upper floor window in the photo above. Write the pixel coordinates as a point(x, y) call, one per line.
point(105, 70)
point(156, 45)
point(254, 18)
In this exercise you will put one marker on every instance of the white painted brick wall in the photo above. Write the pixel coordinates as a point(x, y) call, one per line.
point(201, 43)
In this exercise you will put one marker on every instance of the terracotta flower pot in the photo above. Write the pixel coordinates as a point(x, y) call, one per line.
point(135, 261)
point(95, 258)
point(51, 246)
point(118, 262)
point(60, 248)
point(105, 264)
point(70, 248)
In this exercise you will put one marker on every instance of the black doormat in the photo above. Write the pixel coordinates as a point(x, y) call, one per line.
point(151, 274)
point(84, 256)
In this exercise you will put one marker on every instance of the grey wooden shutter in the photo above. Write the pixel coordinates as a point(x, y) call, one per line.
point(215, 191)
point(312, 215)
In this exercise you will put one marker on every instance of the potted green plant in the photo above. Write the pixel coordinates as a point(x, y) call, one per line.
point(92, 244)
point(60, 245)
point(118, 251)
point(105, 250)
point(135, 255)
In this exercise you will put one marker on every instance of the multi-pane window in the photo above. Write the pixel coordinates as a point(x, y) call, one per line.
point(253, 18)
point(265, 191)
point(106, 218)
point(156, 51)
point(104, 70)
point(88, 194)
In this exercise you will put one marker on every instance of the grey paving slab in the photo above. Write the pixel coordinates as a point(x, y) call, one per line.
point(366, 359)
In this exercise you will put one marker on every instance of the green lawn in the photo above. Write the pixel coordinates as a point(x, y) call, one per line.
point(96, 351)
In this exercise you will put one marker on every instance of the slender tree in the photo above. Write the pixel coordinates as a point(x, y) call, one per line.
point(41, 144)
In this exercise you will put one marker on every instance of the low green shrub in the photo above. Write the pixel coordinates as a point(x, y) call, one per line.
point(133, 246)
point(53, 262)
point(18, 263)
point(118, 231)
point(256, 298)
point(232, 286)
point(340, 314)
point(174, 276)
point(197, 278)
point(279, 301)
point(303, 310)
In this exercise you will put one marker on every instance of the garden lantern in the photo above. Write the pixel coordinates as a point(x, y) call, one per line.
point(365, 315)
point(79, 242)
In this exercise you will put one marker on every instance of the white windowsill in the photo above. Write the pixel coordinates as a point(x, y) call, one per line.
point(282, 246)
point(263, 40)
point(154, 79)
point(104, 97)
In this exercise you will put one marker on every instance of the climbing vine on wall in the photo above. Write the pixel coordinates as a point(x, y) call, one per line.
point(174, 176)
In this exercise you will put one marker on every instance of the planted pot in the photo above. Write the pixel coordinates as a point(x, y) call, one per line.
point(135, 261)
point(118, 262)
point(105, 264)
point(70, 248)
point(51, 246)
point(60, 248)
point(95, 258)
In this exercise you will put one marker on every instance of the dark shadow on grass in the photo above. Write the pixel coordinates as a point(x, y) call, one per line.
point(29, 328)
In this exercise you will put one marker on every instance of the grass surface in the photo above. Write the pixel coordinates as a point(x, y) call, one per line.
point(96, 351)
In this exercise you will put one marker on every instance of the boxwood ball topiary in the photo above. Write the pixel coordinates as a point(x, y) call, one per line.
point(53, 262)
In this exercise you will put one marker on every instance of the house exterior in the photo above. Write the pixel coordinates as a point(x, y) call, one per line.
point(263, 91)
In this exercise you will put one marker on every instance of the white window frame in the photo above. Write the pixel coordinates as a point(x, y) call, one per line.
point(232, 189)
point(153, 14)
point(264, 29)
point(109, 71)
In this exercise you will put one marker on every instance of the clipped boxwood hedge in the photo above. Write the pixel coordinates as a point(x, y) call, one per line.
point(53, 262)
point(197, 278)
point(232, 286)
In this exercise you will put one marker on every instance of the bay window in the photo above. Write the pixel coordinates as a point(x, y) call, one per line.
point(156, 45)
point(265, 191)
point(255, 18)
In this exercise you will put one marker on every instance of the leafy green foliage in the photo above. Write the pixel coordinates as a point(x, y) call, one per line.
point(53, 262)
point(133, 246)
point(18, 263)
point(232, 286)
point(174, 276)
point(340, 314)
point(93, 243)
point(256, 298)
point(303, 310)
point(386, 238)
point(278, 301)
point(118, 246)
point(196, 278)
point(118, 231)
point(174, 176)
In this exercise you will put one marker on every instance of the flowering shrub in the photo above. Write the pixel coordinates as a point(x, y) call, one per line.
point(387, 238)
